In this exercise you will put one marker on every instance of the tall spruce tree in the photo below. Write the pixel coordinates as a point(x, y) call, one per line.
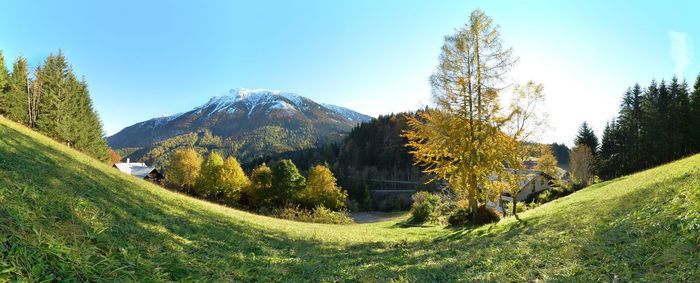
point(17, 92)
point(65, 111)
point(57, 88)
point(650, 124)
point(694, 116)
point(664, 107)
point(587, 137)
point(677, 108)
point(682, 121)
point(85, 132)
point(4, 82)
point(613, 159)
point(628, 122)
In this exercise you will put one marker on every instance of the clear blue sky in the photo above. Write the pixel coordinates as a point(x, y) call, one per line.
point(146, 58)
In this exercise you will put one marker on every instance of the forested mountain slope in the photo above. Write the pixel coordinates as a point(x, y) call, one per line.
point(243, 122)
point(64, 215)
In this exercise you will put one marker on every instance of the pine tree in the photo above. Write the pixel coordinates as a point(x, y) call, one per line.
point(629, 120)
point(4, 83)
point(682, 121)
point(82, 127)
point(613, 159)
point(16, 107)
point(694, 116)
point(587, 137)
point(58, 89)
point(561, 152)
point(674, 127)
point(664, 108)
point(650, 132)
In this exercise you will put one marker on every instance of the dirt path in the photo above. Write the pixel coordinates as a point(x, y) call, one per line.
point(376, 216)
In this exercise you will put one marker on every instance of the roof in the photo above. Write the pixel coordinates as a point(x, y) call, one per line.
point(528, 173)
point(135, 169)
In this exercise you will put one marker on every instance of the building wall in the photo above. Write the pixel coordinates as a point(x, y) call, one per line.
point(537, 184)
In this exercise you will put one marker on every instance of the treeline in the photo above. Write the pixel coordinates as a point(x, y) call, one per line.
point(53, 101)
point(373, 151)
point(655, 125)
point(268, 188)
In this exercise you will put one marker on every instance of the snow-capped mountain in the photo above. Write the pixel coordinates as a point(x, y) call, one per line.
point(237, 115)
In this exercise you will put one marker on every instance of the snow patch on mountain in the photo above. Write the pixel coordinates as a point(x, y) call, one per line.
point(265, 99)
point(282, 105)
point(350, 114)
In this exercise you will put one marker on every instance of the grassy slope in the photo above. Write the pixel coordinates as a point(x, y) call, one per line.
point(65, 215)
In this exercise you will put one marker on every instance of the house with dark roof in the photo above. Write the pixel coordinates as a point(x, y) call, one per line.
point(140, 170)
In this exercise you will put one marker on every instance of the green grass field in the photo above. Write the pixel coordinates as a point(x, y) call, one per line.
point(66, 216)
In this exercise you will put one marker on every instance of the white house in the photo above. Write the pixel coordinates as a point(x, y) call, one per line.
point(140, 170)
point(534, 182)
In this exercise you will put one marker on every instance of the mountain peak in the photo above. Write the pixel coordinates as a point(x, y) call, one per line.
point(244, 93)
point(238, 112)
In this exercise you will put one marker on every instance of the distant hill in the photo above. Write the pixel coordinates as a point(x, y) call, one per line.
point(67, 217)
point(243, 122)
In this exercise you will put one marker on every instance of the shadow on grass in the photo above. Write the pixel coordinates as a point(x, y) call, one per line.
point(69, 220)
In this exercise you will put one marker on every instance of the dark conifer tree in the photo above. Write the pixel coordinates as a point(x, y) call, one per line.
point(677, 108)
point(562, 153)
point(85, 128)
point(681, 119)
point(658, 126)
point(694, 116)
point(650, 125)
point(4, 82)
point(613, 157)
point(17, 92)
point(629, 123)
point(666, 129)
point(587, 137)
point(57, 88)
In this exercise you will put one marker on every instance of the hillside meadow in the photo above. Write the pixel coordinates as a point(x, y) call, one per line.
point(66, 216)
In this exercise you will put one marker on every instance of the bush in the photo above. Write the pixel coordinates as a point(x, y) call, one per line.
point(319, 214)
point(459, 217)
point(544, 196)
point(484, 215)
point(425, 207)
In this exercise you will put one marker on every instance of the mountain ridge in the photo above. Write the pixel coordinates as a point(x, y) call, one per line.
point(240, 117)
